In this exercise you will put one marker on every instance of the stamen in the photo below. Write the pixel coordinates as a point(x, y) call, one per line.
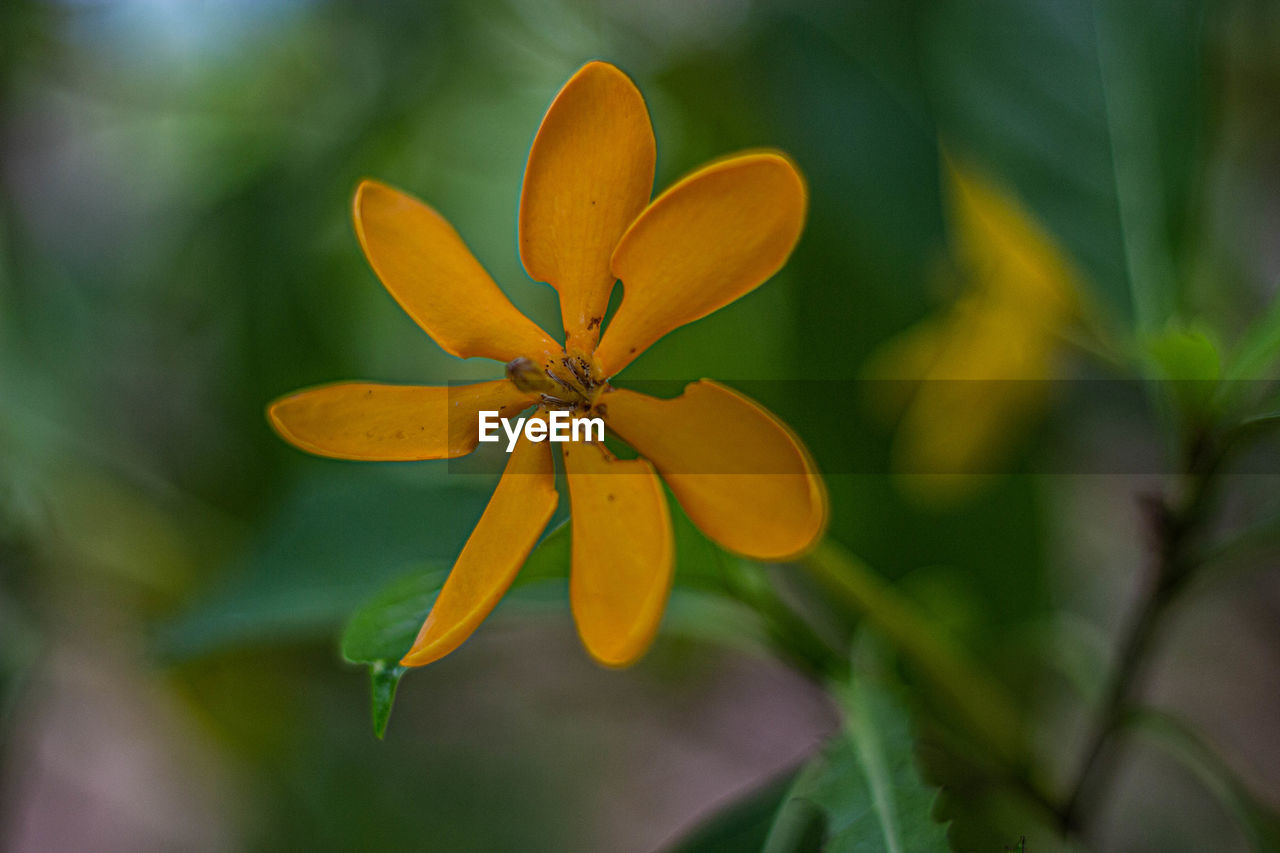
point(558, 402)
point(578, 367)
point(565, 385)
point(568, 384)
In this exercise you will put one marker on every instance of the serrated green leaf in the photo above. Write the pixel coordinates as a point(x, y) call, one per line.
point(864, 789)
point(984, 705)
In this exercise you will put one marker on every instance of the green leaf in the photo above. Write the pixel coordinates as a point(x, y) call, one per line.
point(981, 703)
point(383, 683)
point(382, 630)
point(337, 538)
point(741, 826)
point(549, 560)
point(1251, 368)
point(1092, 110)
point(969, 720)
point(1256, 355)
point(707, 605)
point(699, 561)
point(1188, 362)
point(729, 600)
point(1188, 354)
point(864, 790)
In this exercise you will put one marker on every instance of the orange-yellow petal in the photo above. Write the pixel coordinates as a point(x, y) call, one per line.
point(425, 265)
point(623, 555)
point(990, 379)
point(590, 172)
point(894, 371)
point(709, 239)
point(515, 518)
point(391, 423)
point(741, 475)
point(1005, 251)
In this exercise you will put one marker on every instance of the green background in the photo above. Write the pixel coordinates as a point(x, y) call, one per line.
point(176, 251)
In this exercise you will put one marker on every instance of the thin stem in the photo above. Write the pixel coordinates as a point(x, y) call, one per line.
point(985, 707)
point(1174, 528)
point(1119, 695)
point(794, 636)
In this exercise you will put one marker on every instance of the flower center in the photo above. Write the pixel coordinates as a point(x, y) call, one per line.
point(569, 381)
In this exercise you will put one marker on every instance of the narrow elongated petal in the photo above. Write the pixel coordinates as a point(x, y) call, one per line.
point(425, 265)
point(515, 518)
point(623, 555)
point(969, 380)
point(739, 473)
point(989, 382)
point(391, 423)
point(1008, 254)
point(590, 172)
point(711, 238)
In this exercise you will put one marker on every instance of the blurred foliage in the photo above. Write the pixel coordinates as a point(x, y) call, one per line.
point(175, 251)
point(865, 791)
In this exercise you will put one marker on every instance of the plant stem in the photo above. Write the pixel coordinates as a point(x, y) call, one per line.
point(793, 635)
point(1121, 690)
point(983, 704)
point(1174, 528)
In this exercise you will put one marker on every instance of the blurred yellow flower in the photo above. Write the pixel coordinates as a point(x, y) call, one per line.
point(586, 220)
point(971, 379)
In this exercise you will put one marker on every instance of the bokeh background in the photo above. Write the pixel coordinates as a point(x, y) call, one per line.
point(176, 251)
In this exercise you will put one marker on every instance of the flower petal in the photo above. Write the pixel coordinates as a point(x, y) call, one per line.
point(738, 471)
point(425, 265)
point(515, 518)
point(391, 423)
point(590, 172)
point(711, 238)
point(990, 381)
point(623, 555)
point(1009, 256)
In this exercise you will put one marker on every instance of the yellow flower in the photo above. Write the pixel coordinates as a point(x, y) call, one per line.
point(984, 365)
point(586, 221)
